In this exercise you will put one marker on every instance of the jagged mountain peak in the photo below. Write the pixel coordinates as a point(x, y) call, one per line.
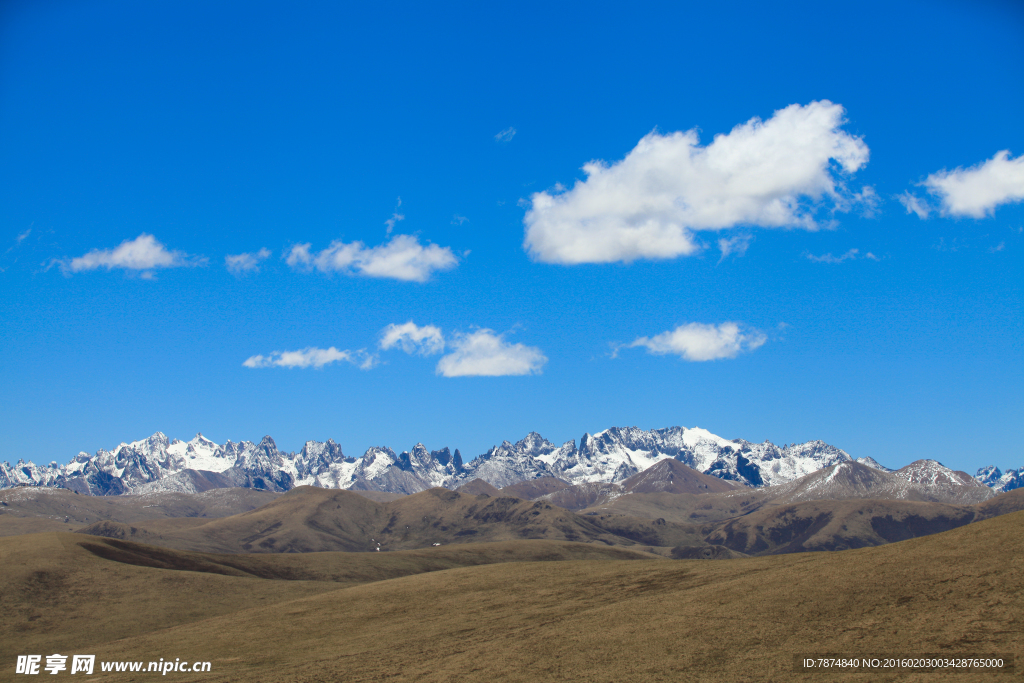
point(532, 441)
point(611, 456)
point(1002, 482)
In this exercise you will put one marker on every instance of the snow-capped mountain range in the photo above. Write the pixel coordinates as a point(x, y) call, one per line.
point(161, 464)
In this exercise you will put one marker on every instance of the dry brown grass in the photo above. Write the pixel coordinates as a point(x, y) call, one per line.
point(55, 594)
point(588, 620)
point(66, 590)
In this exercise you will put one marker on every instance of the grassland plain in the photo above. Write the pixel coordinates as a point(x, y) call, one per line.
point(956, 592)
point(27, 510)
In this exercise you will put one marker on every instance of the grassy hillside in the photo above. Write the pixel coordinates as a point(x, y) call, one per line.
point(595, 620)
point(65, 591)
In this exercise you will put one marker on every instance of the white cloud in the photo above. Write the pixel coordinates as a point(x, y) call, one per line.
point(411, 338)
point(142, 253)
point(701, 342)
point(978, 190)
point(734, 245)
point(914, 204)
point(829, 258)
point(239, 264)
point(21, 238)
point(403, 258)
point(505, 135)
point(646, 206)
point(311, 357)
point(486, 354)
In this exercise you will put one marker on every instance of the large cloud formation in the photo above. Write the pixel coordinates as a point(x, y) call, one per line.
point(647, 206)
point(403, 258)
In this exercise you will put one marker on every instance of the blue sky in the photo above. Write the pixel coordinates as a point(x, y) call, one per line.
point(222, 217)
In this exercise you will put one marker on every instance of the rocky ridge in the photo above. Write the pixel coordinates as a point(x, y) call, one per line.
point(608, 457)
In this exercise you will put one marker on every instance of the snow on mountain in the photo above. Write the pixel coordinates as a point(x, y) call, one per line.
point(1000, 481)
point(201, 454)
point(874, 464)
point(847, 480)
point(316, 458)
point(507, 464)
point(28, 474)
point(618, 453)
point(188, 481)
point(607, 457)
point(934, 473)
point(611, 456)
point(409, 472)
point(266, 468)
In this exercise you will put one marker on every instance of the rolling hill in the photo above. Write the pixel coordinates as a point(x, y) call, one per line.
point(959, 592)
point(309, 519)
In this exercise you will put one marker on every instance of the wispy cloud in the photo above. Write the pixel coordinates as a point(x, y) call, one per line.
point(954, 246)
point(395, 217)
point(848, 256)
point(17, 243)
point(412, 338)
point(458, 220)
point(240, 264)
point(505, 135)
point(403, 258)
point(867, 200)
point(312, 357)
point(771, 174)
point(734, 245)
point(914, 204)
point(703, 342)
point(484, 353)
point(142, 253)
